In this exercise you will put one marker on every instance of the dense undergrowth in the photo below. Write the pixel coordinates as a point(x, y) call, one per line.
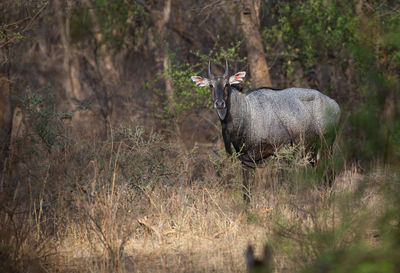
point(139, 202)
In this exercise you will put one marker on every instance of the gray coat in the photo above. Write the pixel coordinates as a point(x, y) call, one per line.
point(262, 120)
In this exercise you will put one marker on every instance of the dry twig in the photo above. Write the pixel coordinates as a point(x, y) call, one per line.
point(27, 27)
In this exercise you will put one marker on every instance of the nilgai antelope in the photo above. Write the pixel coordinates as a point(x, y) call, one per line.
point(262, 120)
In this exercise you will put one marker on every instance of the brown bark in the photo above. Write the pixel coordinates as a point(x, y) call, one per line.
point(5, 117)
point(104, 70)
point(255, 50)
point(161, 23)
point(161, 20)
point(5, 106)
point(71, 83)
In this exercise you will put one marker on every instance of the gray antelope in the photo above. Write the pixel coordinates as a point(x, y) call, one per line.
point(259, 122)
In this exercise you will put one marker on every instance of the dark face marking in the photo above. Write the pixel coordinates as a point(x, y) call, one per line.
point(220, 90)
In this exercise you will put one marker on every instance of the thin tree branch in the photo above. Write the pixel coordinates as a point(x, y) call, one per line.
point(184, 35)
point(144, 5)
point(27, 27)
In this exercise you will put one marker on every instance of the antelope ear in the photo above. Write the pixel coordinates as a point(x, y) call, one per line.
point(237, 78)
point(200, 81)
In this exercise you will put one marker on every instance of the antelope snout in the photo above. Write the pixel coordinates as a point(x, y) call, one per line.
point(219, 104)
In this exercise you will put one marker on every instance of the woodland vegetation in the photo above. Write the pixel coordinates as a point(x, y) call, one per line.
point(112, 160)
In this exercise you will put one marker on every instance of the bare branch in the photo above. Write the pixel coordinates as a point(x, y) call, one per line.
point(144, 5)
point(27, 27)
point(184, 35)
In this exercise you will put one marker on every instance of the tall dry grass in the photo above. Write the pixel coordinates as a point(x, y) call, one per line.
point(137, 203)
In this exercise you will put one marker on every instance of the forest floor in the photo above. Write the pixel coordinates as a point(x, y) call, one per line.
point(187, 214)
point(198, 229)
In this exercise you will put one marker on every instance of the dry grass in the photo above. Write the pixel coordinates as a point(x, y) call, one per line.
point(183, 228)
point(100, 208)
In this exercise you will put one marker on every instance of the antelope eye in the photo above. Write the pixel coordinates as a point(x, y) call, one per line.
point(211, 86)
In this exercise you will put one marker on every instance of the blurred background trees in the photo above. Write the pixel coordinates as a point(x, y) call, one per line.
point(129, 60)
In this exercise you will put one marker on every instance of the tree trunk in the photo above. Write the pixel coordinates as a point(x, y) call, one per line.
point(5, 118)
point(161, 20)
point(71, 83)
point(5, 107)
point(255, 50)
point(161, 24)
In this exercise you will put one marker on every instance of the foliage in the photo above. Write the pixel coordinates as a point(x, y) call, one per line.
point(361, 255)
point(360, 36)
point(344, 231)
point(141, 158)
point(376, 57)
point(188, 96)
point(117, 24)
point(309, 30)
point(7, 34)
point(42, 117)
point(12, 30)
